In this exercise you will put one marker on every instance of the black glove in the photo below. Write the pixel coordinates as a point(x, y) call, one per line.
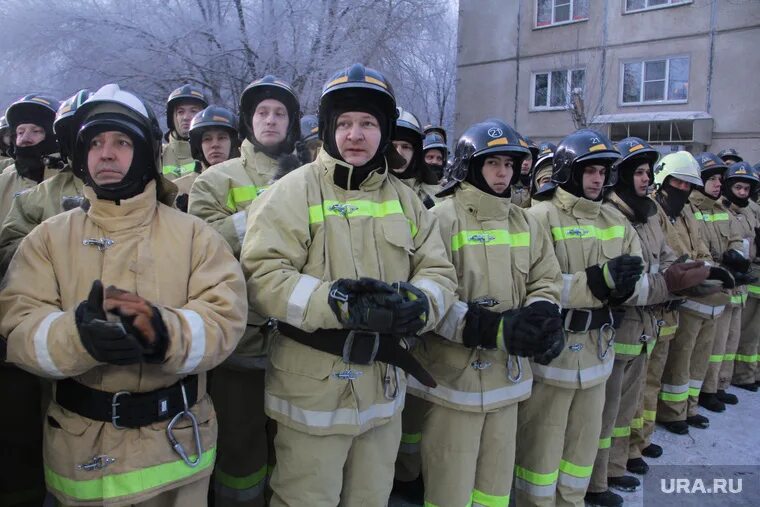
point(551, 336)
point(142, 320)
point(735, 261)
point(722, 274)
point(107, 342)
point(619, 274)
point(182, 201)
point(374, 305)
point(744, 278)
point(413, 298)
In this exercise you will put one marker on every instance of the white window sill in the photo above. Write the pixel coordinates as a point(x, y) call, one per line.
point(653, 103)
point(563, 23)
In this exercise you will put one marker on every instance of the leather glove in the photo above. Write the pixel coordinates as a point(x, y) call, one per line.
point(723, 275)
point(107, 342)
point(141, 319)
point(413, 298)
point(684, 275)
point(735, 261)
point(182, 201)
point(551, 337)
point(619, 274)
point(376, 306)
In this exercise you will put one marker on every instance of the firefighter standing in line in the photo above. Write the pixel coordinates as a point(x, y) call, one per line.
point(130, 422)
point(309, 144)
point(181, 106)
point(600, 258)
point(502, 317)
point(5, 143)
point(349, 261)
point(521, 189)
point(269, 123)
point(415, 173)
point(730, 156)
point(435, 150)
point(213, 140)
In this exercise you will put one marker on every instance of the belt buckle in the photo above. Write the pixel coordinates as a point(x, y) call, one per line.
point(569, 319)
point(115, 403)
point(349, 345)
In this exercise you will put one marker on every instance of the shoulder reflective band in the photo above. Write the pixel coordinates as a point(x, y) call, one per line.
point(588, 231)
point(490, 237)
point(238, 195)
point(359, 208)
point(179, 169)
point(127, 483)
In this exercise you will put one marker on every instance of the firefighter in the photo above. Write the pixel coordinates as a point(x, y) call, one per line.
point(521, 188)
point(213, 140)
point(51, 197)
point(5, 144)
point(729, 156)
point(600, 258)
point(684, 363)
point(502, 317)
point(33, 145)
point(541, 174)
point(635, 338)
point(435, 150)
point(181, 106)
point(414, 172)
point(309, 145)
point(125, 306)
point(349, 261)
point(268, 121)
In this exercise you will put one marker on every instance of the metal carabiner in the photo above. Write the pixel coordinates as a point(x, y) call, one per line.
point(390, 395)
point(600, 342)
point(510, 361)
point(178, 447)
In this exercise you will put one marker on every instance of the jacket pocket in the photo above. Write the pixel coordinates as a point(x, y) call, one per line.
point(60, 419)
point(292, 357)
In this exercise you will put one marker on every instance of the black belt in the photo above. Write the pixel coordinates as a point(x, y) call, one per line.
point(580, 320)
point(360, 347)
point(125, 409)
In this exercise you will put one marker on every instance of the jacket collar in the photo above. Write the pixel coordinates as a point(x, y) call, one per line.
point(180, 146)
point(485, 206)
point(704, 203)
point(129, 213)
point(578, 207)
point(257, 161)
point(342, 174)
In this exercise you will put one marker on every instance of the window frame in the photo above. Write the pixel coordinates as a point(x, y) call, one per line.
point(568, 71)
point(553, 23)
point(642, 62)
point(670, 4)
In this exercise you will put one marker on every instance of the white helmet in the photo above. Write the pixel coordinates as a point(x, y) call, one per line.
point(681, 165)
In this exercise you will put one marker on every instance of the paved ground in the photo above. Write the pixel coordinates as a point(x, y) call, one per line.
point(732, 439)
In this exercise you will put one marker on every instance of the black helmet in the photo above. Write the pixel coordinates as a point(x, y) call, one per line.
point(434, 140)
point(63, 126)
point(309, 128)
point(542, 167)
point(580, 148)
point(436, 129)
point(534, 149)
point(741, 171)
point(635, 151)
point(184, 93)
point(362, 86)
point(731, 154)
point(710, 165)
point(270, 87)
point(489, 137)
point(212, 117)
point(113, 108)
point(39, 110)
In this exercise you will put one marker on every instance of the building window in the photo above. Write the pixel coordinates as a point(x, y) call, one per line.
point(553, 90)
point(655, 81)
point(642, 5)
point(557, 12)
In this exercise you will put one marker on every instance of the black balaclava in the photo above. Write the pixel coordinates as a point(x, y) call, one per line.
point(355, 104)
point(475, 177)
point(411, 170)
point(30, 159)
point(731, 198)
point(641, 206)
point(672, 199)
point(141, 170)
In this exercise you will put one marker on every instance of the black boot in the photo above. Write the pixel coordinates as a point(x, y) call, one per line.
point(711, 402)
point(652, 451)
point(627, 483)
point(677, 427)
point(698, 421)
point(727, 398)
point(411, 491)
point(749, 387)
point(637, 466)
point(604, 499)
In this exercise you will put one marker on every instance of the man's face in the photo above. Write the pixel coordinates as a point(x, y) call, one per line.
point(641, 180)
point(357, 136)
point(712, 186)
point(434, 156)
point(216, 144)
point(593, 181)
point(498, 171)
point(679, 184)
point(526, 165)
point(406, 150)
point(183, 115)
point(29, 134)
point(740, 189)
point(109, 157)
point(270, 122)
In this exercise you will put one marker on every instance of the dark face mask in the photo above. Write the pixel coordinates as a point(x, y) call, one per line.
point(437, 169)
point(672, 199)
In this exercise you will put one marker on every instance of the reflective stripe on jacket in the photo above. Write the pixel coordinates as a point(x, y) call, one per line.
point(177, 158)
